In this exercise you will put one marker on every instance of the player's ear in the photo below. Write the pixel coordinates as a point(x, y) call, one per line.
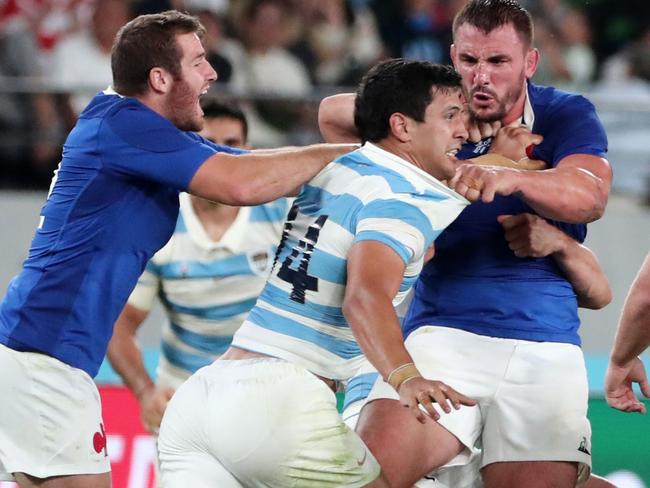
point(452, 54)
point(400, 126)
point(159, 80)
point(532, 59)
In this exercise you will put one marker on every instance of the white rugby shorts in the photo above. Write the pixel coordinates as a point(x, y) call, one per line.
point(259, 423)
point(50, 418)
point(532, 396)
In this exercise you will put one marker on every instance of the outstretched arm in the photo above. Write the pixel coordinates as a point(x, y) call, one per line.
point(255, 178)
point(369, 310)
point(632, 338)
point(529, 235)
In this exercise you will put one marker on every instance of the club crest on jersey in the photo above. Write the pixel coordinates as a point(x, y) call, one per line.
point(259, 261)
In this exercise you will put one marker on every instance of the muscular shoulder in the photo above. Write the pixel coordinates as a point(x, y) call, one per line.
point(550, 103)
point(142, 128)
point(569, 124)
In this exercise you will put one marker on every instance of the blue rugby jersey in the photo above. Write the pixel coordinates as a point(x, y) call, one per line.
point(207, 288)
point(112, 204)
point(369, 194)
point(475, 282)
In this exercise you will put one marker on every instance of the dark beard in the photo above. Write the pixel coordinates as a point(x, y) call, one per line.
point(182, 100)
point(508, 100)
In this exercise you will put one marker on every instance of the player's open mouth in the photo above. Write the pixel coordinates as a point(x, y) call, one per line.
point(482, 98)
point(198, 99)
point(452, 153)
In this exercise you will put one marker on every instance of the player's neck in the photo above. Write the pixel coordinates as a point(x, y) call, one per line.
point(398, 149)
point(216, 218)
point(517, 111)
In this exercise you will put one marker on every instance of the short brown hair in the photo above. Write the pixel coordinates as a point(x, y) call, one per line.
point(146, 42)
point(487, 15)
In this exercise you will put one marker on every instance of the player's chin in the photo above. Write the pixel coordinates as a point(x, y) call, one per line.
point(197, 119)
point(449, 168)
point(486, 114)
point(194, 124)
point(451, 165)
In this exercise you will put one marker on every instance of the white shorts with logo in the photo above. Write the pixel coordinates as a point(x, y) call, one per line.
point(532, 396)
point(259, 423)
point(50, 418)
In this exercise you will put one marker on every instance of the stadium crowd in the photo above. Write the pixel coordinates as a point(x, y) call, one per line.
point(135, 146)
point(280, 57)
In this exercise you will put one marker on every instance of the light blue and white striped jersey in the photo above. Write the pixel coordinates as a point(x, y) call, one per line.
point(368, 194)
point(208, 287)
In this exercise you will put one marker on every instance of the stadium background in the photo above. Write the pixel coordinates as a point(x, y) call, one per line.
point(600, 48)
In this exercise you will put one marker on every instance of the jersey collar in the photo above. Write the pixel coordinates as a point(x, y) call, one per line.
point(419, 178)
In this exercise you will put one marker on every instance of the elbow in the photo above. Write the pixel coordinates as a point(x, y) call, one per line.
point(590, 207)
point(596, 199)
point(243, 194)
point(336, 120)
point(324, 117)
point(598, 300)
point(598, 205)
point(350, 307)
point(114, 349)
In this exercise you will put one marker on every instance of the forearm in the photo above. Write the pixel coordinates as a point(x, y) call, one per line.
point(291, 169)
point(491, 159)
point(376, 328)
point(570, 195)
point(633, 334)
point(255, 178)
point(126, 358)
point(584, 272)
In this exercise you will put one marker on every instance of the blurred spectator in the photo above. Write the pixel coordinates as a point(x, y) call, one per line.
point(81, 63)
point(339, 42)
point(29, 129)
point(263, 66)
point(625, 86)
point(578, 55)
point(630, 65)
point(48, 20)
point(154, 6)
point(417, 29)
point(552, 68)
point(617, 23)
point(213, 43)
point(550, 11)
point(218, 7)
point(563, 35)
point(640, 60)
